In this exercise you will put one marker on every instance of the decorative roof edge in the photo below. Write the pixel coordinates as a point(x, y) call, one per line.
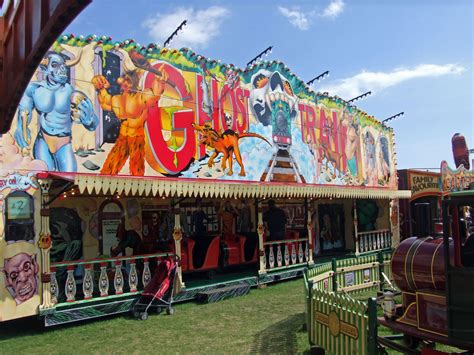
point(99, 184)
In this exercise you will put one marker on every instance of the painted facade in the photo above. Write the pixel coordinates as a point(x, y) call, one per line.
point(101, 107)
point(98, 106)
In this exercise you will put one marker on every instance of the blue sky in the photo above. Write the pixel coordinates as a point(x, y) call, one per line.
point(415, 56)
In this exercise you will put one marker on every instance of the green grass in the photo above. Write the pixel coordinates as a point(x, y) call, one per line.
point(268, 320)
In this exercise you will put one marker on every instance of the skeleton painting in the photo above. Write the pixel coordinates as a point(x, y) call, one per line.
point(272, 100)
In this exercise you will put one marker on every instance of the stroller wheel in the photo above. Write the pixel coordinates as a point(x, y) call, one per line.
point(144, 316)
point(170, 311)
point(159, 310)
point(211, 274)
point(136, 314)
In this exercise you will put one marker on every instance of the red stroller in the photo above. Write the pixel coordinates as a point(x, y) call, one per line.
point(159, 292)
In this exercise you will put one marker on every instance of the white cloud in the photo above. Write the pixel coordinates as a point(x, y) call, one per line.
point(334, 9)
point(297, 18)
point(201, 28)
point(303, 19)
point(378, 81)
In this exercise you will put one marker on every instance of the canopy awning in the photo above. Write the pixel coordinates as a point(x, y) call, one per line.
point(173, 187)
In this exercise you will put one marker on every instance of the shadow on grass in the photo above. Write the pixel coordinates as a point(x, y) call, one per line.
point(279, 337)
point(33, 326)
point(20, 327)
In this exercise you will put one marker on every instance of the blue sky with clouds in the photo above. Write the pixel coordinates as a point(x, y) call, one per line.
point(415, 56)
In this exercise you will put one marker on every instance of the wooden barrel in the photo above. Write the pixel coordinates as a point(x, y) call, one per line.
point(460, 151)
point(418, 263)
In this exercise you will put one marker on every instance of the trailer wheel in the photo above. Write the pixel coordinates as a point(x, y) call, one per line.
point(144, 316)
point(411, 342)
point(170, 311)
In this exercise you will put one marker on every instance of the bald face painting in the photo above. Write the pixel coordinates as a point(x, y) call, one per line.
point(21, 273)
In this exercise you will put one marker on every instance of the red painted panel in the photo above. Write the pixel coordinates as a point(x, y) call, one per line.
point(418, 263)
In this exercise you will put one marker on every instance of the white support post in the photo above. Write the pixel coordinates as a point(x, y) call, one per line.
point(357, 252)
point(178, 237)
point(394, 223)
point(310, 238)
point(261, 247)
point(44, 244)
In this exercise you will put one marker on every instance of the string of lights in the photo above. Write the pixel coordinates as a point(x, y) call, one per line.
point(393, 117)
point(265, 52)
point(319, 77)
point(360, 96)
point(175, 33)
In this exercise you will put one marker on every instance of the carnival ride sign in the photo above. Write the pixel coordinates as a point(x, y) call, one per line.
point(422, 184)
point(193, 117)
point(18, 182)
point(455, 180)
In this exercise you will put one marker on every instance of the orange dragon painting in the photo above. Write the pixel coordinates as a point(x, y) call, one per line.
point(227, 143)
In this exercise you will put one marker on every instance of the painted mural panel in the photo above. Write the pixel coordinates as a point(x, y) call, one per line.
point(95, 105)
point(19, 254)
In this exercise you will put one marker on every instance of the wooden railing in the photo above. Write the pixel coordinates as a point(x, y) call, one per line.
point(336, 321)
point(89, 280)
point(285, 253)
point(374, 240)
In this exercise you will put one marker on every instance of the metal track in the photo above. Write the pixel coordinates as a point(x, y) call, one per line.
point(282, 167)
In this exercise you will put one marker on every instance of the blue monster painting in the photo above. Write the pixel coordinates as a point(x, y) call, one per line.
point(58, 106)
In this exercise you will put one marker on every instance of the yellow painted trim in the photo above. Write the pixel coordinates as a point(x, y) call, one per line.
point(400, 320)
point(432, 263)
point(321, 277)
point(405, 263)
point(358, 267)
point(430, 294)
point(412, 259)
point(418, 314)
point(359, 286)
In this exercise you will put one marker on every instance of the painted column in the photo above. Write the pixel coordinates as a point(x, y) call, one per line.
point(394, 222)
point(310, 236)
point(355, 229)
point(178, 237)
point(44, 244)
point(261, 247)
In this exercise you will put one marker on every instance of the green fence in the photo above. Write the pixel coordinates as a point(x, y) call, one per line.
point(335, 321)
point(358, 274)
point(385, 261)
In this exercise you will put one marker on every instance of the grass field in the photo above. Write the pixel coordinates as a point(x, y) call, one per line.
point(268, 320)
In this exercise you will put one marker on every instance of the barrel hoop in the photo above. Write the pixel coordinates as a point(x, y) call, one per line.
point(411, 266)
point(432, 263)
point(410, 256)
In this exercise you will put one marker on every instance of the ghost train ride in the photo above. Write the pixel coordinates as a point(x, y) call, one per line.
point(108, 181)
point(436, 277)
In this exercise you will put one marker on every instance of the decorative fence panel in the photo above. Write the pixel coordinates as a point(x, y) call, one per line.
point(340, 324)
point(90, 280)
point(358, 274)
point(284, 254)
point(386, 266)
point(335, 321)
point(373, 241)
point(321, 277)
